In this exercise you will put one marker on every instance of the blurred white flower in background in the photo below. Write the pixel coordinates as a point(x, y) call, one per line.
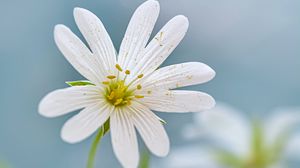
point(233, 141)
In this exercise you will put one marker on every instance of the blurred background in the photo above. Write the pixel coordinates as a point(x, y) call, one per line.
point(254, 46)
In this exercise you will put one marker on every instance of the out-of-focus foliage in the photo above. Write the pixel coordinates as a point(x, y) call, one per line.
point(4, 164)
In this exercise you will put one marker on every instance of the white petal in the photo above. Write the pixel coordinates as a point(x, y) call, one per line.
point(280, 164)
point(76, 53)
point(85, 123)
point(178, 101)
point(124, 140)
point(138, 33)
point(280, 123)
point(63, 101)
point(293, 147)
point(150, 129)
point(162, 45)
point(97, 37)
point(226, 127)
point(179, 75)
point(191, 157)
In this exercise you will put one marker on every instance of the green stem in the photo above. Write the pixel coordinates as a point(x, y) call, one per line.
point(145, 160)
point(93, 150)
point(102, 131)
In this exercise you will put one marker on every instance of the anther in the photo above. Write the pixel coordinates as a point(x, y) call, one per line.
point(139, 87)
point(139, 96)
point(111, 76)
point(118, 101)
point(119, 67)
point(127, 72)
point(112, 95)
point(141, 75)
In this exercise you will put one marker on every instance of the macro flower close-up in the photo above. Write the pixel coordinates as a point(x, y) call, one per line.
point(140, 84)
point(124, 87)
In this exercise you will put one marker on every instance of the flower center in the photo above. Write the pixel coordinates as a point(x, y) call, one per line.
point(117, 92)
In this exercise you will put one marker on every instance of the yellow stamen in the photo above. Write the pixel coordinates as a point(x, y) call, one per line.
point(111, 76)
point(118, 101)
point(119, 67)
point(120, 93)
point(127, 72)
point(141, 75)
point(112, 95)
point(139, 96)
point(139, 87)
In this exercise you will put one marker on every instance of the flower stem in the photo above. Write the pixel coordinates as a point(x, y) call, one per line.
point(145, 160)
point(93, 150)
point(102, 131)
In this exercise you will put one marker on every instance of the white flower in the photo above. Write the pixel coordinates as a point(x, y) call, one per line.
point(238, 143)
point(126, 88)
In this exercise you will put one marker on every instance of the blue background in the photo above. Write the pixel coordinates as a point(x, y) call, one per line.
point(254, 46)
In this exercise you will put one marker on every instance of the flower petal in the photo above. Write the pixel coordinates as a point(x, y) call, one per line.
point(76, 53)
point(178, 101)
point(193, 156)
point(150, 129)
point(63, 101)
point(292, 150)
point(97, 37)
point(85, 123)
point(283, 121)
point(179, 75)
point(124, 140)
point(279, 164)
point(162, 45)
point(225, 126)
point(138, 33)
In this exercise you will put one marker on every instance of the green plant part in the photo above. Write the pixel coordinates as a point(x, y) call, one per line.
point(79, 83)
point(4, 164)
point(145, 160)
point(228, 159)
